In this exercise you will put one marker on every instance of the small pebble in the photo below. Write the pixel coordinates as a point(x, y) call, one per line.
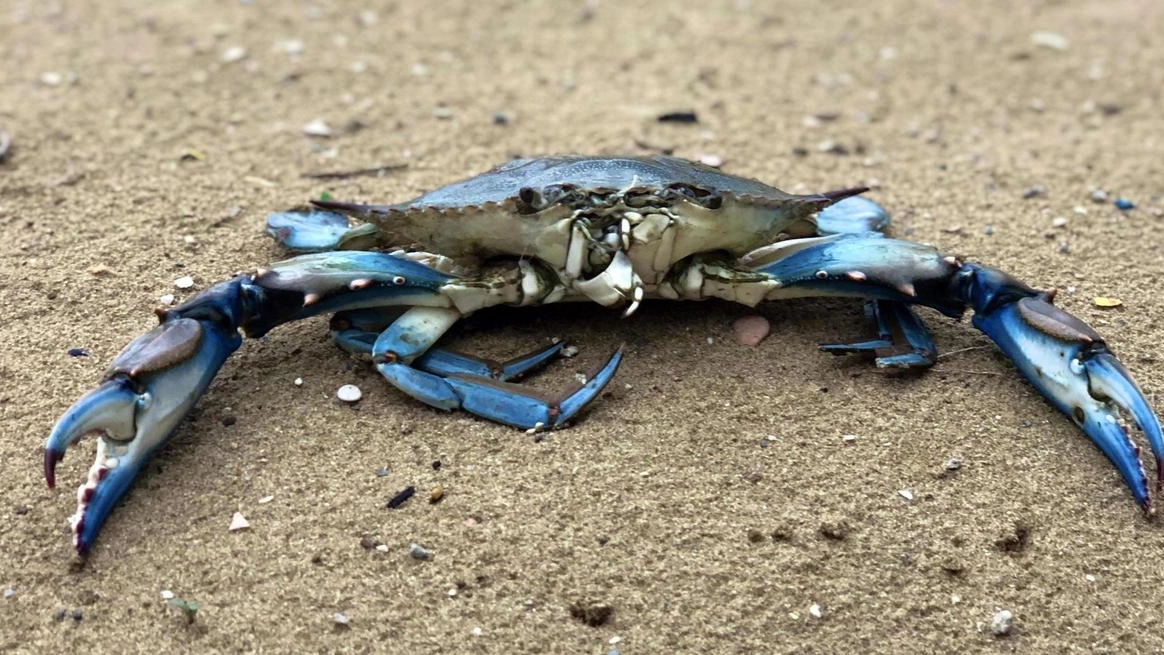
point(1001, 624)
point(814, 611)
point(9, 592)
point(266, 499)
point(317, 128)
point(184, 282)
point(416, 551)
point(167, 299)
point(751, 330)
point(78, 615)
point(1099, 196)
point(678, 117)
point(340, 619)
point(501, 118)
point(906, 494)
point(1050, 40)
point(1034, 192)
point(1089, 577)
point(299, 382)
point(1058, 221)
point(715, 161)
point(51, 78)
point(238, 522)
point(953, 464)
point(848, 438)
point(167, 594)
point(436, 495)
point(292, 46)
point(78, 352)
point(569, 351)
point(477, 631)
point(349, 393)
point(381, 548)
point(233, 54)
point(1123, 204)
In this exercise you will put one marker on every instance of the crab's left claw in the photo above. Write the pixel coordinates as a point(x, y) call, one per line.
point(1069, 363)
point(147, 391)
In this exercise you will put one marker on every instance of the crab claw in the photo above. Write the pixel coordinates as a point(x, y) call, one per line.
point(147, 391)
point(1068, 362)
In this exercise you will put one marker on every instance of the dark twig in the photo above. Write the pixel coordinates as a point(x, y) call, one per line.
point(375, 171)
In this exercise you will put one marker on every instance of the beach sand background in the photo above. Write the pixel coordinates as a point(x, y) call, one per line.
point(708, 500)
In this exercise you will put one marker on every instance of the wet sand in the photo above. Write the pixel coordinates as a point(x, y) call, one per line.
point(708, 500)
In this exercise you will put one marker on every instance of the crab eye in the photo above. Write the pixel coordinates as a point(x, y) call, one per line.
point(821, 275)
point(398, 280)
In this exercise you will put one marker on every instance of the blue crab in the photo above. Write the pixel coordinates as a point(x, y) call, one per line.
point(610, 230)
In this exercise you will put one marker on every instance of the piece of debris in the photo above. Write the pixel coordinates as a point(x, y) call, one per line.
point(167, 594)
point(953, 464)
point(340, 620)
point(678, 117)
point(400, 498)
point(189, 608)
point(751, 330)
point(1099, 196)
point(100, 270)
point(1002, 623)
point(416, 551)
point(5, 142)
point(715, 161)
point(9, 593)
point(436, 494)
point(166, 299)
point(234, 54)
point(1123, 204)
point(317, 127)
point(848, 438)
point(184, 282)
point(299, 382)
point(814, 611)
point(1105, 302)
point(349, 393)
point(239, 522)
point(906, 494)
point(1058, 221)
point(592, 614)
point(1036, 191)
point(78, 352)
point(1050, 40)
point(51, 78)
point(372, 171)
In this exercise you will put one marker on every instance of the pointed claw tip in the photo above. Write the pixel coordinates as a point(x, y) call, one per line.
point(51, 457)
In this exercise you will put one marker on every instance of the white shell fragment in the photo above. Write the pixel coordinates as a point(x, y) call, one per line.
point(184, 282)
point(418, 552)
point(167, 299)
point(1050, 40)
point(233, 54)
point(167, 594)
point(1002, 623)
point(906, 494)
point(814, 611)
point(349, 393)
point(239, 522)
point(317, 127)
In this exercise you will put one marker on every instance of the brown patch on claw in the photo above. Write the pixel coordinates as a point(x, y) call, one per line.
point(1040, 314)
point(170, 343)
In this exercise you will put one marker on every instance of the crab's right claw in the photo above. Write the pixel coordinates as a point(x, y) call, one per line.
point(1069, 363)
point(147, 391)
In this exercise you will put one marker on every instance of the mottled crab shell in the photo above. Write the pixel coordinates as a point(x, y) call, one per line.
point(526, 208)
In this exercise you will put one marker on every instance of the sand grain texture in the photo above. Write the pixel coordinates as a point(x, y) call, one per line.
point(669, 502)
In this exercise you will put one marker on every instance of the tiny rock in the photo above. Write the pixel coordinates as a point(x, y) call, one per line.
point(317, 127)
point(906, 494)
point(184, 282)
point(238, 522)
point(1002, 623)
point(416, 551)
point(750, 330)
point(167, 594)
point(340, 619)
point(848, 438)
point(349, 393)
point(167, 299)
point(1058, 221)
point(1050, 40)
point(233, 54)
point(814, 611)
point(1099, 196)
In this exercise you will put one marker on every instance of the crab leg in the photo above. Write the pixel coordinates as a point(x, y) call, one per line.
point(404, 341)
point(357, 331)
point(1060, 355)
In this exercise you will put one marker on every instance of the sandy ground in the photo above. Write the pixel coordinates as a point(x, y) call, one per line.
point(669, 503)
